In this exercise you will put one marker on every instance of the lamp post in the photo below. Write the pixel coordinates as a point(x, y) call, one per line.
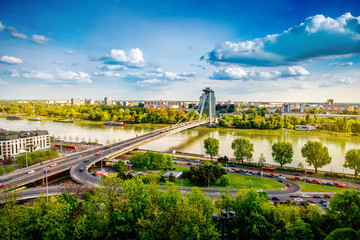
point(225, 216)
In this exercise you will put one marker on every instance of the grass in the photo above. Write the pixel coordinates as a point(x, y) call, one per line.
point(239, 182)
point(310, 187)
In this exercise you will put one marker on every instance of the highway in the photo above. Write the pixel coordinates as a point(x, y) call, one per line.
point(22, 177)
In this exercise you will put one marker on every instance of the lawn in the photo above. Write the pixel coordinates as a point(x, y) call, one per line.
point(310, 187)
point(238, 181)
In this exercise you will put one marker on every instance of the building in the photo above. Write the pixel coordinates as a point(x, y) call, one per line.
point(285, 108)
point(89, 101)
point(212, 99)
point(176, 174)
point(75, 101)
point(15, 143)
point(107, 101)
point(306, 127)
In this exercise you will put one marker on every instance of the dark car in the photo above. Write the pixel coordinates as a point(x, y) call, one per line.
point(189, 163)
point(275, 199)
point(7, 179)
point(316, 196)
point(323, 201)
point(281, 180)
point(297, 178)
point(327, 196)
point(294, 195)
point(86, 160)
point(81, 169)
point(232, 165)
point(308, 181)
point(269, 175)
point(225, 165)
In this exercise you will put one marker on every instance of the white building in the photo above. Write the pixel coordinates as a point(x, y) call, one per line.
point(15, 143)
point(306, 127)
point(75, 101)
point(107, 101)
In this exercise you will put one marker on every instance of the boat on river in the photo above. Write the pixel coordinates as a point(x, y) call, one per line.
point(112, 123)
point(34, 119)
point(13, 117)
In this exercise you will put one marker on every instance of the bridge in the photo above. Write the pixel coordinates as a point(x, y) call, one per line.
point(84, 159)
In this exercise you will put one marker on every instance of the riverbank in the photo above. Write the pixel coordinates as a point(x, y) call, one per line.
point(279, 131)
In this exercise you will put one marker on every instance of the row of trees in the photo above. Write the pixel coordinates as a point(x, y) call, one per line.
point(206, 174)
point(314, 152)
point(35, 157)
point(255, 121)
point(151, 160)
point(98, 112)
point(133, 210)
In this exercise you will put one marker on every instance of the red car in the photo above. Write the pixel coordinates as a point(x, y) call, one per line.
point(288, 184)
point(311, 201)
point(251, 167)
point(293, 179)
point(97, 154)
point(341, 186)
point(2, 185)
point(202, 163)
point(327, 196)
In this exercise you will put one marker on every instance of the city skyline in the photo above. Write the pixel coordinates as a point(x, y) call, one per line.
point(297, 52)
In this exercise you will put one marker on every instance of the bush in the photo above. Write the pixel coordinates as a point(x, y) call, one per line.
point(150, 179)
point(120, 166)
point(343, 234)
point(224, 181)
point(172, 178)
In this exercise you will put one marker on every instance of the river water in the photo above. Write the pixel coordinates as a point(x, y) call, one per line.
point(191, 140)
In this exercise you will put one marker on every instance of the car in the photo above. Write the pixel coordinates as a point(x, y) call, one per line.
point(197, 160)
point(268, 175)
point(81, 169)
point(282, 177)
point(251, 167)
point(2, 185)
point(322, 201)
point(225, 165)
point(230, 170)
point(288, 184)
point(47, 170)
point(325, 204)
point(97, 154)
point(232, 165)
point(297, 178)
point(308, 180)
point(293, 179)
point(311, 201)
point(53, 165)
point(312, 204)
point(248, 174)
point(174, 158)
point(336, 184)
point(281, 180)
point(316, 196)
point(294, 195)
point(186, 159)
point(340, 186)
point(128, 144)
point(329, 184)
point(327, 196)
point(31, 171)
point(275, 199)
point(260, 173)
point(175, 162)
point(7, 179)
point(304, 196)
point(189, 163)
point(298, 200)
point(259, 190)
point(107, 147)
point(86, 160)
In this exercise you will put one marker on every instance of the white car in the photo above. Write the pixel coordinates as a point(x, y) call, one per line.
point(298, 200)
point(304, 196)
point(248, 174)
point(282, 177)
point(230, 170)
point(53, 165)
point(31, 172)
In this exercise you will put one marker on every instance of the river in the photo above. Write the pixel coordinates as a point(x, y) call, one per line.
point(191, 140)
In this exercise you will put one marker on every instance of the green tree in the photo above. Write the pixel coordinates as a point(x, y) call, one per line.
point(211, 146)
point(343, 234)
point(243, 149)
point(282, 153)
point(172, 178)
point(223, 123)
point(352, 160)
point(9, 169)
point(315, 154)
point(224, 181)
point(120, 166)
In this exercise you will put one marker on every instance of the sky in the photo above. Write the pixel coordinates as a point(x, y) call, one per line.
point(264, 50)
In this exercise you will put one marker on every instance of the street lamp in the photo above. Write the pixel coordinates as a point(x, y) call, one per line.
point(225, 216)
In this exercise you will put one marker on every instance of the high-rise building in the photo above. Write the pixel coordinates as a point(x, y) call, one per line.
point(75, 101)
point(107, 101)
point(213, 101)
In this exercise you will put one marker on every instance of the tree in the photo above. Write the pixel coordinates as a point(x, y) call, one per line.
point(316, 154)
point(224, 181)
point(282, 152)
point(211, 146)
point(223, 123)
point(243, 149)
point(352, 160)
point(172, 178)
point(262, 160)
point(342, 234)
point(120, 166)
point(9, 169)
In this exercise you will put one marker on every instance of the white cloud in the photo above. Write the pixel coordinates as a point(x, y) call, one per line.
point(60, 62)
point(14, 73)
point(237, 73)
point(2, 27)
point(69, 52)
point(295, 71)
point(15, 33)
point(132, 58)
point(38, 75)
point(342, 64)
point(2, 82)
point(149, 81)
point(40, 39)
point(80, 77)
point(10, 60)
point(107, 74)
point(317, 38)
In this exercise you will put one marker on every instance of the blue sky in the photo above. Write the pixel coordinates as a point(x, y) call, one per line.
point(244, 50)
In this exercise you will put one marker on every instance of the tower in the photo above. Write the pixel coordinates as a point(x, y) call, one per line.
point(207, 103)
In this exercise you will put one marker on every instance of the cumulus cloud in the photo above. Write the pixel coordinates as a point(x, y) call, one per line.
point(149, 82)
point(133, 58)
point(10, 60)
point(342, 64)
point(15, 33)
point(107, 74)
point(159, 73)
point(38, 75)
point(237, 73)
point(40, 39)
point(2, 82)
point(80, 77)
point(318, 37)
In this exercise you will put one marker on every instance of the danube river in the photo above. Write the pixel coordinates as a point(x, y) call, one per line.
point(190, 140)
